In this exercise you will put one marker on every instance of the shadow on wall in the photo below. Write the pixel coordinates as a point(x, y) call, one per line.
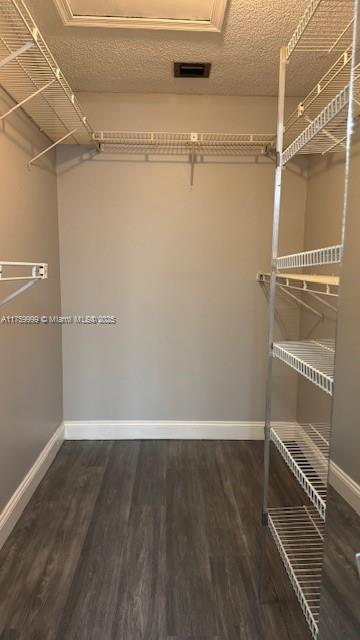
point(16, 128)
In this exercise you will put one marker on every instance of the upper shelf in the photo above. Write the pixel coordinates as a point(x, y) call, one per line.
point(327, 132)
point(326, 26)
point(328, 87)
point(319, 124)
point(169, 143)
point(32, 78)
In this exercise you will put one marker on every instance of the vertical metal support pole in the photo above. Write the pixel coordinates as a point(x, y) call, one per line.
point(272, 300)
point(192, 165)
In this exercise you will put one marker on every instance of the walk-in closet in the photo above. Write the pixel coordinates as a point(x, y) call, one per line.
point(179, 314)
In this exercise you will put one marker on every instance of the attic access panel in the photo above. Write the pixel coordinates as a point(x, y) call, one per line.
point(187, 15)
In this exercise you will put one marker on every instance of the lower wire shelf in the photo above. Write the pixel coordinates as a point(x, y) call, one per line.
point(298, 533)
point(313, 359)
point(305, 449)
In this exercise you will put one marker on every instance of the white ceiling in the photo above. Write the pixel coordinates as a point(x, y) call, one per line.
point(244, 56)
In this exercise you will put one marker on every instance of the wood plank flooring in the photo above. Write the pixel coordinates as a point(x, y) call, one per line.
point(340, 597)
point(153, 540)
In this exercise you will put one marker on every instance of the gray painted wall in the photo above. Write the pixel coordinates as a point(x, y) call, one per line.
point(346, 432)
point(31, 361)
point(322, 228)
point(176, 265)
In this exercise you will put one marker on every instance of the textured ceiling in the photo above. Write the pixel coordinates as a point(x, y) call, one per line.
point(244, 56)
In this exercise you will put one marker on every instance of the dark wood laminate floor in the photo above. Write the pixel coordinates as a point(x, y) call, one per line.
point(148, 541)
point(340, 597)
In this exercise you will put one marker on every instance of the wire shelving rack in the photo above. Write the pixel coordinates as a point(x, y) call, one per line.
point(312, 359)
point(32, 78)
point(192, 146)
point(27, 272)
point(305, 449)
point(319, 124)
point(322, 123)
point(184, 143)
point(298, 533)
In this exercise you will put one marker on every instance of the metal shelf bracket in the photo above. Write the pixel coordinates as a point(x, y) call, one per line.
point(42, 153)
point(39, 271)
point(25, 100)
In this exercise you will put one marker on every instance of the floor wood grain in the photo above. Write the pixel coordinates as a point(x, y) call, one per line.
point(340, 598)
point(148, 541)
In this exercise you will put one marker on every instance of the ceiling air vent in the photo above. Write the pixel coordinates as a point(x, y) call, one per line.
point(192, 69)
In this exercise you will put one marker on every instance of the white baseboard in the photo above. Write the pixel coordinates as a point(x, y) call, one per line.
point(345, 486)
point(18, 501)
point(162, 430)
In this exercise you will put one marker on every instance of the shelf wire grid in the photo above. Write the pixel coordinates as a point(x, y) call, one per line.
point(305, 449)
point(330, 85)
point(328, 131)
point(54, 107)
point(313, 359)
point(298, 533)
point(168, 143)
point(313, 258)
point(326, 26)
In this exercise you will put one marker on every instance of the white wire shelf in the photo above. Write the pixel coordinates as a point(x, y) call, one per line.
point(326, 26)
point(32, 78)
point(29, 272)
point(327, 132)
point(167, 143)
point(330, 85)
point(10, 270)
point(313, 359)
point(298, 533)
point(311, 283)
point(313, 258)
point(305, 449)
